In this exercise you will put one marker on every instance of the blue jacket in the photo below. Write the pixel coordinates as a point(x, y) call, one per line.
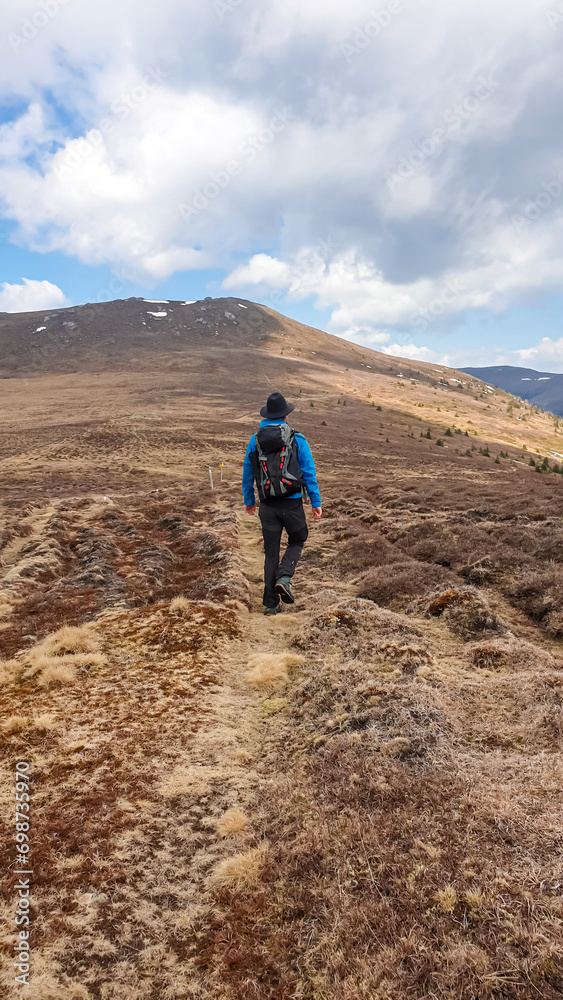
point(306, 464)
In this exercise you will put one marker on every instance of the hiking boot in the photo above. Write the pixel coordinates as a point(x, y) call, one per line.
point(273, 611)
point(283, 588)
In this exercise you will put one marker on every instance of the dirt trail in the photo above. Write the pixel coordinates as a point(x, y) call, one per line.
point(235, 712)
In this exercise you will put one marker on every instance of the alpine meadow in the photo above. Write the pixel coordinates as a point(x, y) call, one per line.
point(360, 798)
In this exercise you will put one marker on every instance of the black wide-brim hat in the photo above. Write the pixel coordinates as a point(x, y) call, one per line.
point(276, 407)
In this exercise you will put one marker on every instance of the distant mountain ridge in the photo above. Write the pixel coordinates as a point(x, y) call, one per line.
point(543, 389)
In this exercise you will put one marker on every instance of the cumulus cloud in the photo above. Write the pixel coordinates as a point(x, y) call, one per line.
point(547, 354)
point(30, 295)
point(363, 299)
point(392, 167)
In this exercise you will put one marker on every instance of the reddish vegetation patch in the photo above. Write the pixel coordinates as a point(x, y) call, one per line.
point(42, 613)
point(131, 555)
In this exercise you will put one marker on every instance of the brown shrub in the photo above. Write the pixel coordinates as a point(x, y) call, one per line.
point(459, 543)
point(539, 592)
point(549, 546)
point(361, 677)
point(365, 551)
point(357, 628)
point(408, 655)
point(484, 570)
point(386, 924)
point(324, 598)
point(385, 585)
point(554, 623)
point(510, 653)
point(466, 611)
point(399, 746)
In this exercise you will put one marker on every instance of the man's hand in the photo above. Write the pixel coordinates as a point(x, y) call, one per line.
point(317, 512)
point(251, 510)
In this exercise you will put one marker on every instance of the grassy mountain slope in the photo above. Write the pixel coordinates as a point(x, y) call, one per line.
point(360, 798)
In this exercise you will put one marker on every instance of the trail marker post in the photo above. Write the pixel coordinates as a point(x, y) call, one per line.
point(222, 467)
point(211, 479)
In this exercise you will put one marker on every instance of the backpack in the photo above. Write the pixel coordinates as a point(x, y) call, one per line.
point(275, 464)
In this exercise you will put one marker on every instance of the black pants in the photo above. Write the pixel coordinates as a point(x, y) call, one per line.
point(275, 516)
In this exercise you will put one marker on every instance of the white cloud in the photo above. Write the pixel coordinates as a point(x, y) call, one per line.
point(113, 196)
point(413, 352)
point(260, 270)
point(546, 354)
point(157, 105)
point(30, 295)
point(24, 135)
point(363, 300)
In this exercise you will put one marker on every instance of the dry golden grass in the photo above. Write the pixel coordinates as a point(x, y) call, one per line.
point(191, 780)
point(474, 898)
point(6, 608)
point(9, 670)
point(70, 639)
point(44, 723)
point(16, 723)
point(57, 673)
point(242, 871)
point(236, 605)
point(268, 671)
point(446, 898)
point(232, 822)
point(181, 605)
point(55, 660)
point(429, 849)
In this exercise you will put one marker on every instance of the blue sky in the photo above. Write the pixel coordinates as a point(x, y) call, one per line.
point(391, 173)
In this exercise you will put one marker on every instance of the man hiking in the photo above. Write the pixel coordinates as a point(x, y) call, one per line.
point(280, 461)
